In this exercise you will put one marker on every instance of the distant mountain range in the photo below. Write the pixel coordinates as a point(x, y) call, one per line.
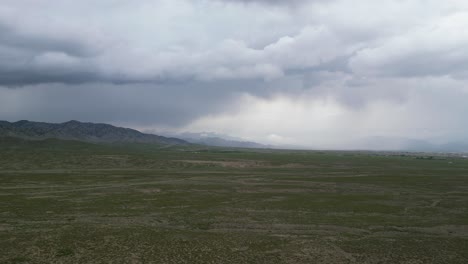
point(75, 130)
point(105, 133)
point(408, 144)
point(218, 140)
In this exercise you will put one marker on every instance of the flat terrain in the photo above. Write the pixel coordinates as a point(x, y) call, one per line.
point(71, 202)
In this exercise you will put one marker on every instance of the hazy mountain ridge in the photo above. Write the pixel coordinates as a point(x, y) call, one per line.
point(219, 140)
point(105, 133)
point(409, 144)
point(75, 130)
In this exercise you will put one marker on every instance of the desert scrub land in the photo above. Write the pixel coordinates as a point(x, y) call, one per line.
point(72, 202)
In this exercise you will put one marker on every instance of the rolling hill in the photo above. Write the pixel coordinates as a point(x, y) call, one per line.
point(80, 131)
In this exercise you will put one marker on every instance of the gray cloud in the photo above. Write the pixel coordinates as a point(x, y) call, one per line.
point(32, 55)
point(172, 104)
point(71, 53)
point(39, 49)
point(171, 63)
point(435, 49)
point(272, 2)
point(229, 60)
point(69, 43)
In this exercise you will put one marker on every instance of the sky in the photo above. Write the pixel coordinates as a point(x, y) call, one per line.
point(317, 74)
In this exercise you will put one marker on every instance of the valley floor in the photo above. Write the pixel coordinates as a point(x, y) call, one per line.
point(69, 202)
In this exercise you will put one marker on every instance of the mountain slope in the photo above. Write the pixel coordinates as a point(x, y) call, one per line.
point(89, 132)
point(221, 142)
point(218, 140)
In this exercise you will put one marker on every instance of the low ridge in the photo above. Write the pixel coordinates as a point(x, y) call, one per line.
point(75, 130)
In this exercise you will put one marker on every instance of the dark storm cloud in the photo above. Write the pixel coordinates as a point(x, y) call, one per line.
point(93, 51)
point(32, 56)
point(276, 2)
point(172, 104)
point(171, 62)
point(42, 46)
point(24, 77)
point(11, 36)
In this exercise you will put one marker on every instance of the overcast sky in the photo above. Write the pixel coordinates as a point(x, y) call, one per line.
point(316, 73)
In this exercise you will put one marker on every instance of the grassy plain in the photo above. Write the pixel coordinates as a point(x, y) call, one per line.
point(72, 202)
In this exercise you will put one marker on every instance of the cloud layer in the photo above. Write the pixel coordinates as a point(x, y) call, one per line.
point(188, 65)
